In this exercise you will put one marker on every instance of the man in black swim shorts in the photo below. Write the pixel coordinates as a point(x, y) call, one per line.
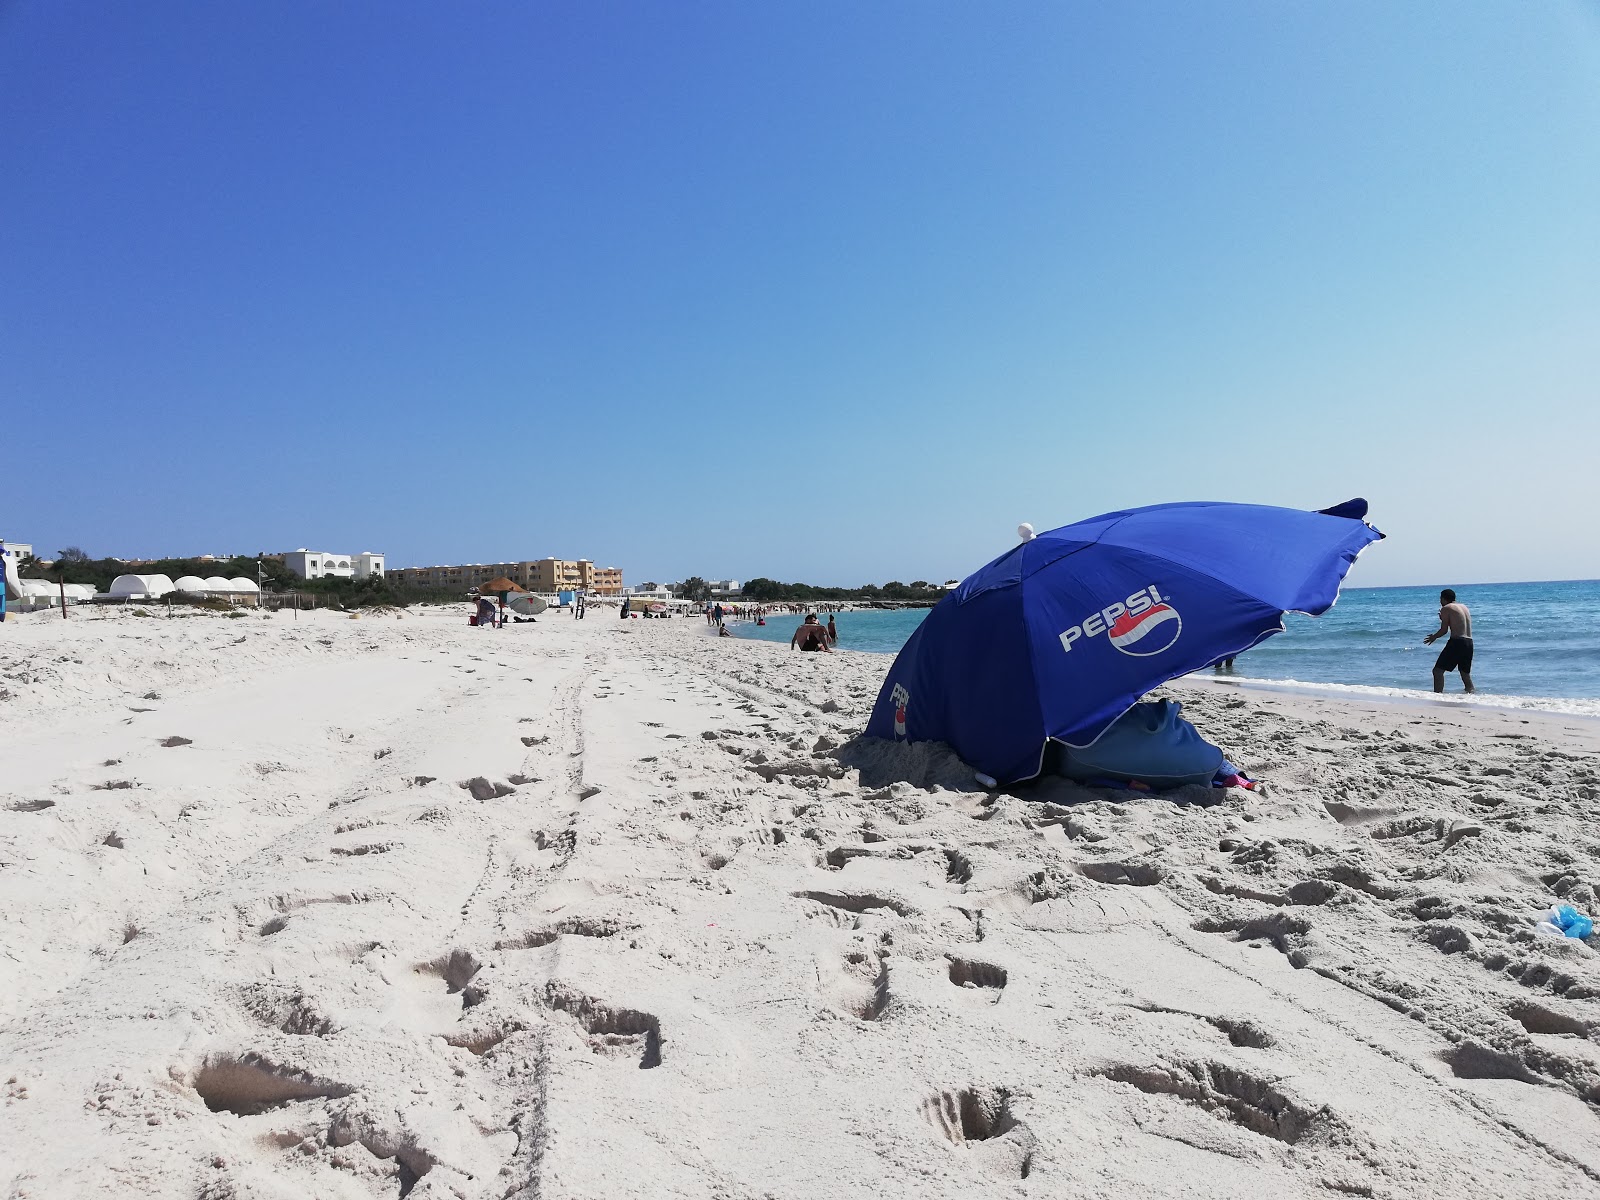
point(811, 636)
point(1456, 620)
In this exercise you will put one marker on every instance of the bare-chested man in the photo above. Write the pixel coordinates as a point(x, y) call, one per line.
point(1456, 620)
point(811, 636)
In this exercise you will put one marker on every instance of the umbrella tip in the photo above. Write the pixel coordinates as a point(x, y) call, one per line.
point(1025, 532)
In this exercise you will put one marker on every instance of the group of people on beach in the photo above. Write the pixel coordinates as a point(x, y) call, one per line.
point(1455, 625)
point(814, 636)
point(811, 636)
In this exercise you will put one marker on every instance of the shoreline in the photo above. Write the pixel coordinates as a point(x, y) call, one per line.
point(1535, 710)
point(1578, 707)
point(337, 907)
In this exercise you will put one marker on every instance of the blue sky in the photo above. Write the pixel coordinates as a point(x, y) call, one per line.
point(827, 292)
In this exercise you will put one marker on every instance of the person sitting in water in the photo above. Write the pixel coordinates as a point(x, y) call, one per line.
point(811, 636)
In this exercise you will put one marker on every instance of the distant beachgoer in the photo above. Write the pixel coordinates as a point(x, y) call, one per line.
point(811, 636)
point(1456, 620)
point(833, 631)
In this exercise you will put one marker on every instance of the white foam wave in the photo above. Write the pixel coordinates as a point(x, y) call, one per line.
point(1551, 704)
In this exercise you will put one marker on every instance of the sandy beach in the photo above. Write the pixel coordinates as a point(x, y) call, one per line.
point(323, 907)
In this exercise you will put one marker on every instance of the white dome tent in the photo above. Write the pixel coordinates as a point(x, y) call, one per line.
point(38, 593)
point(141, 587)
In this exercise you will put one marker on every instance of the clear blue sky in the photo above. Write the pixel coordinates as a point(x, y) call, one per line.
point(831, 292)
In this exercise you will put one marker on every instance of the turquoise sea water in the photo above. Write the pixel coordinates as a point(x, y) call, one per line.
point(1535, 641)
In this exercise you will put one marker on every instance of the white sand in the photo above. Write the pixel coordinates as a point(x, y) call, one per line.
point(694, 949)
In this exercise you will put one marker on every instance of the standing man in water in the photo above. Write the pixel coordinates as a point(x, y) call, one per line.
point(1456, 620)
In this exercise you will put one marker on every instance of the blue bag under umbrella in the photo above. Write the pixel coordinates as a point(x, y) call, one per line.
point(1151, 744)
point(1058, 637)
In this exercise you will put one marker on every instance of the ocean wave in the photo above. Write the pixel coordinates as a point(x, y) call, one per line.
point(1552, 704)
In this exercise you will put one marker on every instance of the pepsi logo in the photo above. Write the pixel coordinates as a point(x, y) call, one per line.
point(1145, 619)
point(1146, 633)
point(902, 700)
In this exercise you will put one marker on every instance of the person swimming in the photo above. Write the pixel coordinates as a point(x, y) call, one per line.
point(811, 636)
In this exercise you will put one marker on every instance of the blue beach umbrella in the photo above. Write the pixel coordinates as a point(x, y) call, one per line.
point(1058, 637)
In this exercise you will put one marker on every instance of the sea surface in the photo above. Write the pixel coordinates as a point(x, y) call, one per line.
point(1537, 645)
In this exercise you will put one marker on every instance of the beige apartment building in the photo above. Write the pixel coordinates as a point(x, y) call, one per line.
point(540, 575)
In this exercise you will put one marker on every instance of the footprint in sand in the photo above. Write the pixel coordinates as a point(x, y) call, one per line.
point(610, 1032)
point(981, 1121)
point(984, 980)
point(1249, 1100)
point(250, 1083)
point(858, 985)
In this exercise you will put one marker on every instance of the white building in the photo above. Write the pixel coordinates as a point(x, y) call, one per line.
point(141, 587)
point(240, 589)
point(318, 564)
point(46, 593)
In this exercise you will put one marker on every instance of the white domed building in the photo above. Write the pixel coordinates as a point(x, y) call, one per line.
point(141, 587)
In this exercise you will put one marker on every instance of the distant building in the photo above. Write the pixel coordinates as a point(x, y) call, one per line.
point(659, 592)
point(141, 587)
point(316, 564)
point(546, 575)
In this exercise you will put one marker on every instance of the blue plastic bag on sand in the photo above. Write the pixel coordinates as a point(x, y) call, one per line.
point(1572, 922)
point(1565, 921)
